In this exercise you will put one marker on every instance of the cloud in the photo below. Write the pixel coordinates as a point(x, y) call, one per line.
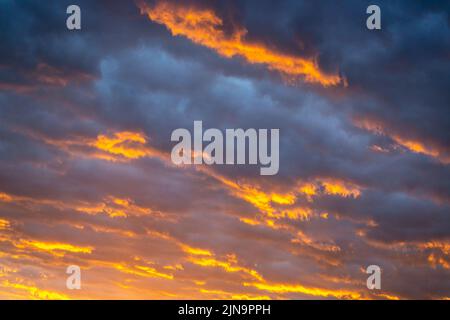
point(202, 26)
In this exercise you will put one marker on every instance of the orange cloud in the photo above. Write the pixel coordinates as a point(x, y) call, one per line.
point(53, 76)
point(229, 265)
point(5, 197)
point(111, 205)
point(204, 27)
point(416, 146)
point(434, 261)
point(412, 145)
point(142, 271)
point(116, 207)
point(303, 239)
point(266, 202)
point(195, 251)
point(249, 221)
point(4, 224)
point(46, 75)
point(309, 190)
point(225, 295)
point(279, 205)
point(117, 146)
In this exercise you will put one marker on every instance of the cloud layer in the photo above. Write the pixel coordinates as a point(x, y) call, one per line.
point(85, 171)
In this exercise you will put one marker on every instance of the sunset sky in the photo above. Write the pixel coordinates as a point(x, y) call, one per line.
point(86, 176)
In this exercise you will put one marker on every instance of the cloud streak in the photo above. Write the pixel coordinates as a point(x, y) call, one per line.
point(204, 27)
point(86, 176)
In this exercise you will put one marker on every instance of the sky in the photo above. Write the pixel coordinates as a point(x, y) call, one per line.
point(86, 176)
